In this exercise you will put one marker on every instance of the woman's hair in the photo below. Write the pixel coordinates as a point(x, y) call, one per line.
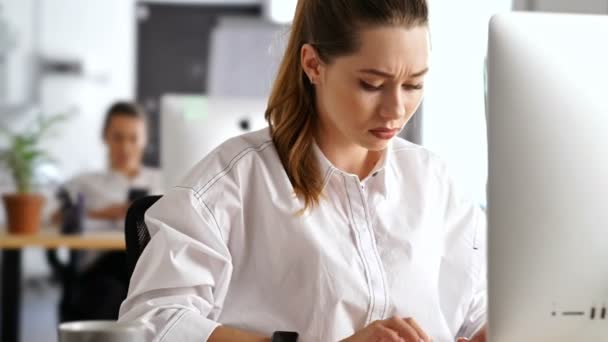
point(332, 27)
point(124, 109)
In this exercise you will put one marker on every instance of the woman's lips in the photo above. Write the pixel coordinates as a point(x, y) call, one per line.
point(384, 133)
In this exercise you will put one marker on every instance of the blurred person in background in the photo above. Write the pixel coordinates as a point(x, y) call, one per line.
point(105, 196)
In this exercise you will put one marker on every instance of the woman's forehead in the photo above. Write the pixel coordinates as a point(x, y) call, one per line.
point(122, 122)
point(391, 49)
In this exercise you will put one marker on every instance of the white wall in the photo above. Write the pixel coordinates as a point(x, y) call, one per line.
point(19, 15)
point(280, 11)
point(101, 34)
point(454, 121)
point(454, 112)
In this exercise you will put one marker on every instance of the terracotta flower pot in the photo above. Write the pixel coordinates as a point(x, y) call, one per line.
point(23, 212)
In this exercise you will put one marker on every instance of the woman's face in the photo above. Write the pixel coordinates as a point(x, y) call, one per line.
point(366, 98)
point(126, 140)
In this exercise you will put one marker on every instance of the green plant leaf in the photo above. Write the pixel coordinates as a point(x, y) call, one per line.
point(45, 124)
point(24, 152)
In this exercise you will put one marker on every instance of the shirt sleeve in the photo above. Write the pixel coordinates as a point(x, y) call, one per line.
point(463, 275)
point(180, 281)
point(475, 316)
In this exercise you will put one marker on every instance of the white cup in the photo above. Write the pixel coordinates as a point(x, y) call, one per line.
point(101, 331)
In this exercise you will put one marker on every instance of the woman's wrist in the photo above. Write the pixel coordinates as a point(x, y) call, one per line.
point(227, 334)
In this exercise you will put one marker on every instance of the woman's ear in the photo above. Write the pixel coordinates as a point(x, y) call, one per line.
point(311, 63)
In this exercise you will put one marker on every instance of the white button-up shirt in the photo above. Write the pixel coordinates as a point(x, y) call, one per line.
point(227, 247)
point(105, 188)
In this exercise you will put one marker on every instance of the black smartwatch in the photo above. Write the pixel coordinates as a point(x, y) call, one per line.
point(284, 336)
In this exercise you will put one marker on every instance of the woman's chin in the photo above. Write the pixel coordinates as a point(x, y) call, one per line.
point(375, 144)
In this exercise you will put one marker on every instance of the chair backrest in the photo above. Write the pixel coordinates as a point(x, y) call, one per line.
point(72, 222)
point(136, 231)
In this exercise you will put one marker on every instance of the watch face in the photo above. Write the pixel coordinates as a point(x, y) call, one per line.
point(285, 336)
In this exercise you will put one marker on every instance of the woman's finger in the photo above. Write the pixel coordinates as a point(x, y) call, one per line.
point(403, 329)
point(419, 330)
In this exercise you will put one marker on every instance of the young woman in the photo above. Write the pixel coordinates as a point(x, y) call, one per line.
point(103, 279)
point(325, 224)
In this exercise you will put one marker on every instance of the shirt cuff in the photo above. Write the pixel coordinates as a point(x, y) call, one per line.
point(189, 327)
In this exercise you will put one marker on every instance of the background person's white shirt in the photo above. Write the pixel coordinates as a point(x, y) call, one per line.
point(106, 188)
point(228, 248)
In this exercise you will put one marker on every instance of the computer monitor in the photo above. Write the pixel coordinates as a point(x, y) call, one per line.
point(548, 177)
point(193, 125)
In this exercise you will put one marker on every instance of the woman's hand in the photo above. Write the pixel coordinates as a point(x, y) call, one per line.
point(479, 337)
point(394, 329)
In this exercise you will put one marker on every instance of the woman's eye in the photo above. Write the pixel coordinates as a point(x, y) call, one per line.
point(413, 86)
point(369, 87)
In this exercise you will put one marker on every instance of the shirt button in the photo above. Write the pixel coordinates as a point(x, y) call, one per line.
point(375, 174)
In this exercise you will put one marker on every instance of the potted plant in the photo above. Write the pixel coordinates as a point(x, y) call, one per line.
point(21, 157)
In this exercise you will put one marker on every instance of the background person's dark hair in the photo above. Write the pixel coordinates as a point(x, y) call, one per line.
point(125, 109)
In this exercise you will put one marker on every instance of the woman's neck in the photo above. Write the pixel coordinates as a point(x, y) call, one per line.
point(347, 156)
point(130, 173)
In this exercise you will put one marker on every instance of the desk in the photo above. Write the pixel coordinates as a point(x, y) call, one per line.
point(48, 237)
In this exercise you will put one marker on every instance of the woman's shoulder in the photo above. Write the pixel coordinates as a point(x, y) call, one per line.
point(233, 159)
point(417, 160)
point(407, 154)
point(87, 177)
point(88, 183)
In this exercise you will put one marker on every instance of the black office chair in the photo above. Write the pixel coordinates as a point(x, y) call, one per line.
point(136, 231)
point(66, 271)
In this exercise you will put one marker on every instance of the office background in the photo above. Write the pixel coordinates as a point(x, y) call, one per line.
point(79, 56)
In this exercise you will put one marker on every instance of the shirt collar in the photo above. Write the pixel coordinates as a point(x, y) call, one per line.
point(378, 176)
point(325, 166)
point(118, 174)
